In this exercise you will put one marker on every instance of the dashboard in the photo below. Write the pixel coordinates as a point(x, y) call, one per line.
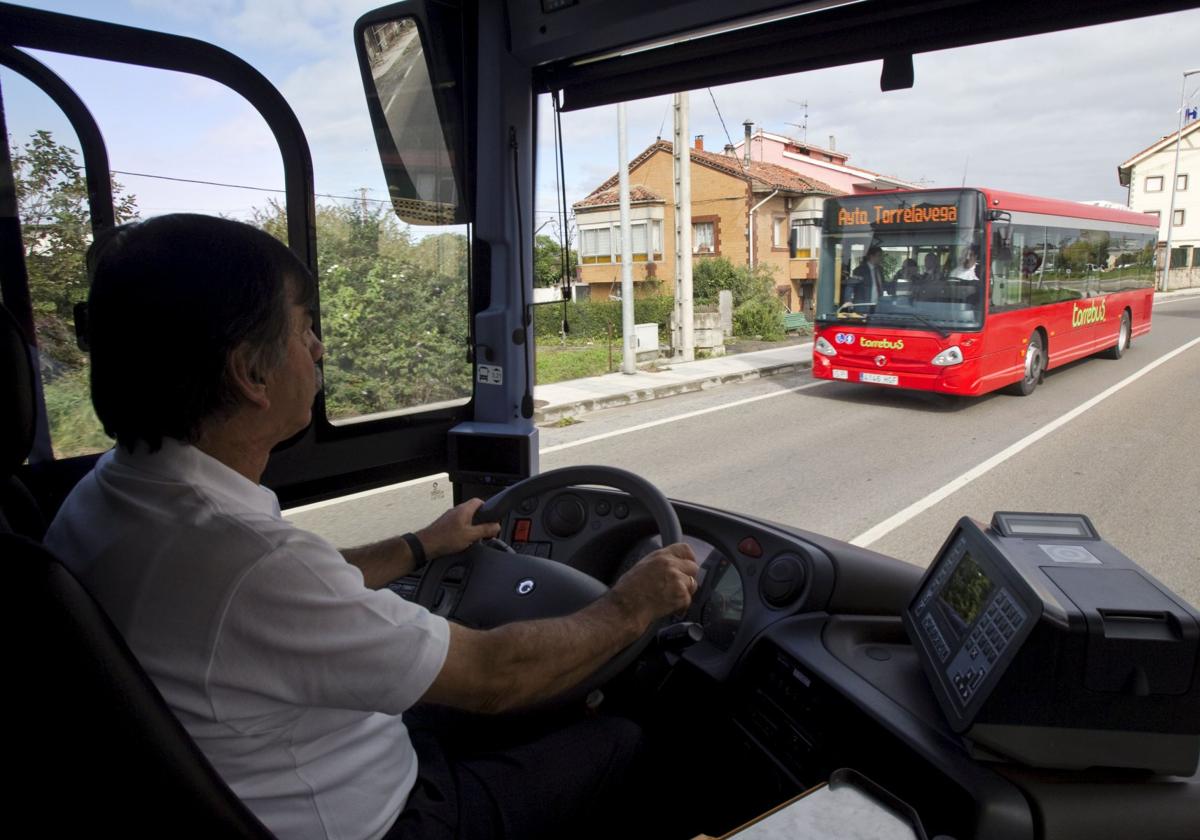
point(804, 668)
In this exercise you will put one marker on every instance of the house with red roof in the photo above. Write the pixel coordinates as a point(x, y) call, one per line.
point(826, 164)
point(744, 212)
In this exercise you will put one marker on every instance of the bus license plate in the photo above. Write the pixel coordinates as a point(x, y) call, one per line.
point(879, 378)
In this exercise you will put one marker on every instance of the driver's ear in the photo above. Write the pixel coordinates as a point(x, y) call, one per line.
point(247, 383)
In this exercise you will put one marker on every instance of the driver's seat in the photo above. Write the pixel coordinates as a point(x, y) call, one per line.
point(93, 748)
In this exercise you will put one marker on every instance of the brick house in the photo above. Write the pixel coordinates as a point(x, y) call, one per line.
point(724, 191)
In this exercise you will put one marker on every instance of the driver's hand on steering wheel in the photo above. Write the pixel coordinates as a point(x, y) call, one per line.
point(453, 532)
point(660, 584)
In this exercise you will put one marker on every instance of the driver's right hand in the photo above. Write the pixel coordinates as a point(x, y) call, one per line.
point(660, 584)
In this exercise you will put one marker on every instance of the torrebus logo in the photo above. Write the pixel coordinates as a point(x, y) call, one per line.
point(1081, 315)
point(877, 214)
point(881, 343)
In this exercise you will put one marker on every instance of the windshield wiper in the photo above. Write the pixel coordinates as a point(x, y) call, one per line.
point(942, 331)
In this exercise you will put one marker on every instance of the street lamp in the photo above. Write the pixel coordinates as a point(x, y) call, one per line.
point(1175, 175)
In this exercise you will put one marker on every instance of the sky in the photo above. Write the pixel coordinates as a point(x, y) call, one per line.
point(1052, 115)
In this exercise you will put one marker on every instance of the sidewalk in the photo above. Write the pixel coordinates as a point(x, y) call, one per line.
point(579, 396)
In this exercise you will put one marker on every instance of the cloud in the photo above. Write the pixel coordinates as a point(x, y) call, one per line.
point(294, 26)
point(1051, 115)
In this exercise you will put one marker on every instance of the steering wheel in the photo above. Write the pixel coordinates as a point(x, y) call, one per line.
point(485, 587)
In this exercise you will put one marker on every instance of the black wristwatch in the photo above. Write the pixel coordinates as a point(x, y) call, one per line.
point(417, 550)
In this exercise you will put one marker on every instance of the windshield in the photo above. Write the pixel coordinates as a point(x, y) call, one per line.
point(907, 259)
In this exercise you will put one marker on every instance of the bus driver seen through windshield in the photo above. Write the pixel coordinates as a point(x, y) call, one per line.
point(281, 655)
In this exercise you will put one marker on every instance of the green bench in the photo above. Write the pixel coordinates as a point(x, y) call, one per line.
point(796, 322)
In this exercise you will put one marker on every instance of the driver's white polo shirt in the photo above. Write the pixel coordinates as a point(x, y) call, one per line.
point(290, 674)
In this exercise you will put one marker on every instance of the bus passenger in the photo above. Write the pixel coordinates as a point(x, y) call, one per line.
point(967, 268)
point(905, 279)
point(289, 662)
point(867, 284)
point(933, 268)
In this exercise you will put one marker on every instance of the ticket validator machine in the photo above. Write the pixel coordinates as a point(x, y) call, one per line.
point(1046, 645)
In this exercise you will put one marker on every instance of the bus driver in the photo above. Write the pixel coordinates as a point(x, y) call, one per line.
point(280, 654)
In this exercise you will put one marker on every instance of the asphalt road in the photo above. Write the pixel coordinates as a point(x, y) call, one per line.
point(894, 470)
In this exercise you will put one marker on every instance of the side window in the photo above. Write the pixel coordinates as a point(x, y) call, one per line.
point(56, 231)
point(596, 244)
point(1132, 262)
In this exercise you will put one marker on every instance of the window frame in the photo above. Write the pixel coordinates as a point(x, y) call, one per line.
point(1146, 184)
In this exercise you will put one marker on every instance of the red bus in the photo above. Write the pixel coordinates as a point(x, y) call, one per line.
point(964, 291)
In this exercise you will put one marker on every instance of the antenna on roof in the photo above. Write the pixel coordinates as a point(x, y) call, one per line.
point(804, 125)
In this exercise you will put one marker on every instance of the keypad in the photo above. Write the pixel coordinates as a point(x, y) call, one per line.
point(985, 644)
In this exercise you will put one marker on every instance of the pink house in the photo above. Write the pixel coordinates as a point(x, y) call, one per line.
point(826, 165)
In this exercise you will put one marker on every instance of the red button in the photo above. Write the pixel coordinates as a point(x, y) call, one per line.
point(750, 547)
point(521, 530)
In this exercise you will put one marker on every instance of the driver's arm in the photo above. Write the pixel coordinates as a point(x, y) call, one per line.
point(518, 664)
point(384, 561)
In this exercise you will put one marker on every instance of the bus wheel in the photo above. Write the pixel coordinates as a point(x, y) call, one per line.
point(1118, 350)
point(1035, 365)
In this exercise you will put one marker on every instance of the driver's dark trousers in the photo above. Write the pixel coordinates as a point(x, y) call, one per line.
point(578, 780)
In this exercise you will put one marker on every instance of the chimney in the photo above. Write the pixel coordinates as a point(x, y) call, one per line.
point(699, 144)
point(832, 144)
point(748, 124)
point(730, 150)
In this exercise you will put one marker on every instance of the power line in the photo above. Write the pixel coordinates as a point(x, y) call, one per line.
point(268, 189)
point(728, 139)
point(244, 186)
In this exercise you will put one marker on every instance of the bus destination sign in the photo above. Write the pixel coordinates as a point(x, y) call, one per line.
point(880, 215)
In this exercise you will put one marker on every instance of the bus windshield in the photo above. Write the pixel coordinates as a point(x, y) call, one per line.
point(904, 260)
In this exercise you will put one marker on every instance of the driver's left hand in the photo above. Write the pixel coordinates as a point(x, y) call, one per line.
point(453, 532)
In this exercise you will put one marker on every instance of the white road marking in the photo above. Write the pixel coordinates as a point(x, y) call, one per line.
point(676, 418)
point(1183, 299)
point(549, 449)
point(412, 482)
point(893, 522)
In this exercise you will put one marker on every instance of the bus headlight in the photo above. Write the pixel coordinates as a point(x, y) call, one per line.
point(822, 346)
point(949, 356)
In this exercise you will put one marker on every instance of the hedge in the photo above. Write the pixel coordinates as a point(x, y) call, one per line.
point(589, 319)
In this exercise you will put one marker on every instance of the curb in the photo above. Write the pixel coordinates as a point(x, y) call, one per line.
point(553, 413)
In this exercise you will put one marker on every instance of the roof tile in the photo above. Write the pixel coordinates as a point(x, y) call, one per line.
point(768, 175)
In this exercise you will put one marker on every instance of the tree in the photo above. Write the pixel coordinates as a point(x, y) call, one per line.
point(394, 311)
point(757, 310)
point(547, 261)
point(56, 231)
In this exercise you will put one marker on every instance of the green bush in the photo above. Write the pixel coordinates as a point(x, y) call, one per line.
point(761, 317)
point(712, 275)
point(589, 319)
point(74, 429)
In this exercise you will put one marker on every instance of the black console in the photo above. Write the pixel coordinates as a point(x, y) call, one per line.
point(1045, 644)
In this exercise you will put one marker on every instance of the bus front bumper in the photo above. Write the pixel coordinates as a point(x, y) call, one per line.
point(963, 379)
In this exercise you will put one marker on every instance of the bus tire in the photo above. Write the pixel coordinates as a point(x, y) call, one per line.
point(1124, 334)
point(1035, 365)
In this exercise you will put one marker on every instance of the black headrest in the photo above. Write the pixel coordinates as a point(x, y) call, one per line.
point(17, 413)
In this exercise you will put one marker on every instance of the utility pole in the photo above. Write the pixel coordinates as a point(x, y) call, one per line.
point(1166, 276)
point(684, 340)
point(628, 336)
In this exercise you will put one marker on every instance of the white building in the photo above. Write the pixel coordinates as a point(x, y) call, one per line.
point(1148, 177)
